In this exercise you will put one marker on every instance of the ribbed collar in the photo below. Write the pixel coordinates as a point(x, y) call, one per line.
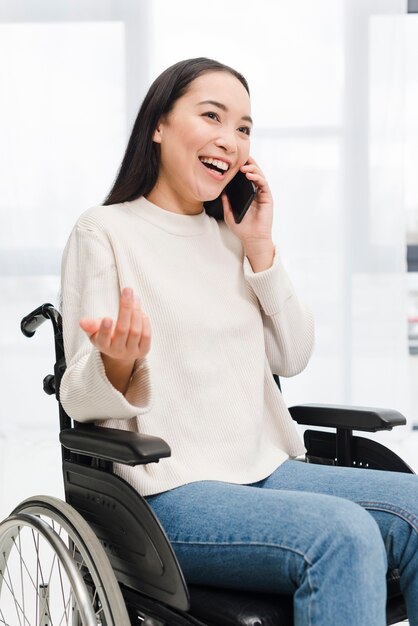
point(175, 223)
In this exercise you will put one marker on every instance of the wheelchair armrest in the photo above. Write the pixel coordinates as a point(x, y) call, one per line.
point(112, 444)
point(347, 417)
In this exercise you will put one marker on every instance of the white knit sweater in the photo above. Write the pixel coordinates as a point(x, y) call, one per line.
point(219, 331)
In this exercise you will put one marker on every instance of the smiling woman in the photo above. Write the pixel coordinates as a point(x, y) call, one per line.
point(140, 166)
point(225, 318)
point(200, 130)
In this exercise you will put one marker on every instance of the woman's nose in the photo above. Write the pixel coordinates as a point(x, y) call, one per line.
point(227, 140)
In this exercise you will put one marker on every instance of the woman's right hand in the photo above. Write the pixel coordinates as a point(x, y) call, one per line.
point(123, 342)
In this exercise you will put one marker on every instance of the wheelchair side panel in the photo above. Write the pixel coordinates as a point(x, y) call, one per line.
point(134, 541)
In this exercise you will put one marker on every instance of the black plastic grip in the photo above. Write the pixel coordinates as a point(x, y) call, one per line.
point(30, 323)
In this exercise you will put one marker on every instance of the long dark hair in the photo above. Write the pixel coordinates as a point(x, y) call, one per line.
point(138, 172)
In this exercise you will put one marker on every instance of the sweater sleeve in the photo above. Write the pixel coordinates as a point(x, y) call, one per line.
point(90, 287)
point(288, 323)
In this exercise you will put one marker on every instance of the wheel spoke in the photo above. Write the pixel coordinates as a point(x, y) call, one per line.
point(65, 604)
point(44, 601)
point(21, 572)
point(10, 587)
point(42, 604)
point(54, 560)
point(79, 561)
point(24, 563)
point(38, 559)
point(2, 620)
point(37, 580)
point(66, 607)
point(54, 565)
point(18, 606)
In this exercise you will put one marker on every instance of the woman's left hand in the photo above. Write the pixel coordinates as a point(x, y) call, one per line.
point(255, 229)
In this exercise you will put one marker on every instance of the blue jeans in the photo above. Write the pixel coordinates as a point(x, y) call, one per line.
point(325, 534)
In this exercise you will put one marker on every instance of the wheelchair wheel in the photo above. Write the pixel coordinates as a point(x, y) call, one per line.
point(54, 571)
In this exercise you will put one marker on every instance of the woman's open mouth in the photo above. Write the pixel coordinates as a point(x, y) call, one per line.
point(215, 167)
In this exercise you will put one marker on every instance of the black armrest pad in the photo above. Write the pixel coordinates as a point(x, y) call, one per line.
point(348, 417)
point(112, 444)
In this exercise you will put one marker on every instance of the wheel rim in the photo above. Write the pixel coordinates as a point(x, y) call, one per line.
point(40, 582)
point(105, 594)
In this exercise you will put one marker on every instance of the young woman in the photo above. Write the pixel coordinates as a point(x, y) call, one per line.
point(224, 318)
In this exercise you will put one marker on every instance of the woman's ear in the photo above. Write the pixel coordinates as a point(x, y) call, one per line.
point(158, 133)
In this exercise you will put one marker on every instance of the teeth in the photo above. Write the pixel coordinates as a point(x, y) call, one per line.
point(219, 164)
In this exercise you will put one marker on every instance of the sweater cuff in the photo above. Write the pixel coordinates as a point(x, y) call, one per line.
point(272, 286)
point(139, 392)
point(95, 390)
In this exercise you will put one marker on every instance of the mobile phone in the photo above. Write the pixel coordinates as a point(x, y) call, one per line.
point(240, 191)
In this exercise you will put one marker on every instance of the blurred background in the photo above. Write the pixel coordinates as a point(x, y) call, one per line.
point(334, 87)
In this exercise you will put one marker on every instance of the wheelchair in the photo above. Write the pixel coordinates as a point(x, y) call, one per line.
point(102, 557)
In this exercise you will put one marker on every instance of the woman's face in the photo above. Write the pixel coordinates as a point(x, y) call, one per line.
point(204, 140)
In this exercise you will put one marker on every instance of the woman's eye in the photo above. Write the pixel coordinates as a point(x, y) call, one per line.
point(212, 115)
point(245, 129)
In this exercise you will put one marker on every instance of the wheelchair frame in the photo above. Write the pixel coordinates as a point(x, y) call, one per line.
point(107, 541)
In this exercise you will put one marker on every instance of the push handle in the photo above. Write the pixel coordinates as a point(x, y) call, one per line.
point(30, 323)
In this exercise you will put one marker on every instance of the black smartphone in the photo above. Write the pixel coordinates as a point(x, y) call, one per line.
point(240, 191)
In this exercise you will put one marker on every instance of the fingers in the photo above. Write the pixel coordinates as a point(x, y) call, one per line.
point(251, 163)
point(89, 325)
point(133, 337)
point(137, 341)
point(254, 173)
point(103, 338)
point(127, 338)
point(124, 320)
point(145, 344)
point(99, 331)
